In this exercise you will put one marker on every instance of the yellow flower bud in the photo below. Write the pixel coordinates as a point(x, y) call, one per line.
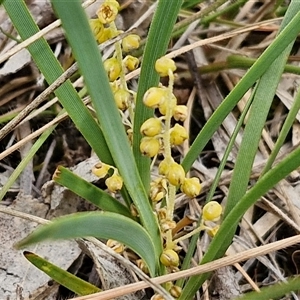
point(101, 169)
point(131, 42)
point(115, 245)
point(167, 102)
point(212, 211)
point(163, 65)
point(149, 146)
point(178, 135)
point(169, 258)
point(175, 174)
point(191, 187)
point(113, 68)
point(114, 183)
point(151, 127)
point(108, 11)
point(180, 113)
point(131, 63)
point(122, 98)
point(154, 96)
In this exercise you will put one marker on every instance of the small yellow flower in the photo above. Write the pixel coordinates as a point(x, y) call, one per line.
point(113, 68)
point(163, 167)
point(101, 169)
point(122, 98)
point(154, 96)
point(163, 65)
point(167, 103)
point(131, 63)
point(212, 211)
point(180, 113)
point(169, 258)
point(149, 146)
point(131, 42)
point(175, 291)
point(114, 183)
point(108, 11)
point(115, 245)
point(175, 174)
point(178, 135)
point(158, 189)
point(191, 187)
point(151, 127)
point(96, 26)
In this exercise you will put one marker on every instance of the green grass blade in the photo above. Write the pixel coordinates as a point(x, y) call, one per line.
point(51, 69)
point(275, 291)
point(157, 43)
point(67, 279)
point(102, 225)
point(289, 33)
point(89, 60)
point(288, 123)
point(89, 192)
point(18, 170)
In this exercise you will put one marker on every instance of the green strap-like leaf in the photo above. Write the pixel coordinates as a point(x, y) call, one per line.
point(102, 225)
point(89, 192)
point(68, 280)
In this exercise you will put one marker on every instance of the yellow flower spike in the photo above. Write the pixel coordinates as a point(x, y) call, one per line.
point(116, 246)
point(122, 98)
point(191, 187)
point(169, 258)
point(113, 68)
point(163, 65)
point(154, 96)
point(178, 135)
point(175, 174)
point(108, 11)
point(151, 127)
point(149, 146)
point(130, 42)
point(175, 291)
point(133, 210)
point(167, 102)
point(101, 169)
point(212, 211)
point(213, 231)
point(180, 113)
point(114, 183)
point(131, 63)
